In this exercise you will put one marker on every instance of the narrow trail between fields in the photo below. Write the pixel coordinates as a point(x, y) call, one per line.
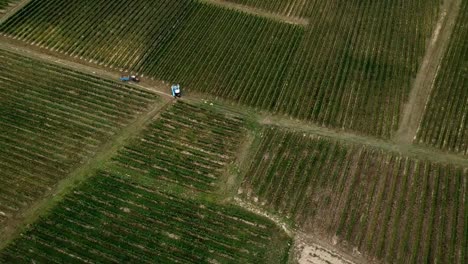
point(258, 12)
point(16, 225)
point(416, 151)
point(11, 11)
point(423, 84)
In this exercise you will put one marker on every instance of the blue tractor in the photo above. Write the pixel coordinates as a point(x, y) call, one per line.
point(128, 78)
point(175, 89)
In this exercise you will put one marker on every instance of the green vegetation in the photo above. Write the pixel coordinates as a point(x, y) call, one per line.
point(111, 220)
point(350, 68)
point(238, 56)
point(51, 121)
point(187, 145)
point(117, 34)
point(390, 207)
point(445, 122)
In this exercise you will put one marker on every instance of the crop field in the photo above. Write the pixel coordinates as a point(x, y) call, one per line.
point(111, 33)
point(354, 77)
point(388, 206)
point(187, 145)
point(110, 220)
point(357, 75)
point(51, 120)
point(445, 123)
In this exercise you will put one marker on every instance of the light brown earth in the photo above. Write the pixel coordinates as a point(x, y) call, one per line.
point(259, 12)
point(422, 87)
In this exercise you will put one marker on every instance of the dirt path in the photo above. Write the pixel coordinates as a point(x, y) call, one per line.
point(27, 50)
point(415, 151)
point(19, 223)
point(12, 10)
point(424, 82)
point(259, 12)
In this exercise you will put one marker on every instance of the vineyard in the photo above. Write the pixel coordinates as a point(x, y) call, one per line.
point(354, 77)
point(388, 206)
point(110, 220)
point(187, 145)
point(109, 33)
point(445, 123)
point(52, 120)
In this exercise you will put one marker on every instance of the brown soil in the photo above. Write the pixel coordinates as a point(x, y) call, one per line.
point(259, 12)
point(422, 87)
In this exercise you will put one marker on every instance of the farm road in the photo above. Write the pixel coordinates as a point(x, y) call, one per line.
point(25, 49)
point(259, 12)
point(419, 152)
point(423, 84)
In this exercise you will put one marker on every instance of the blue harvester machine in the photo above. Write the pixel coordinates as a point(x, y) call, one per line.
point(129, 78)
point(175, 89)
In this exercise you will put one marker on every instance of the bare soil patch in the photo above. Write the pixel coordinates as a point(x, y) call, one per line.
point(259, 12)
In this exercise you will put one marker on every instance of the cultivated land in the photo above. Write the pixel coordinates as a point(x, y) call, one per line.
point(355, 77)
point(296, 124)
point(386, 205)
point(110, 219)
point(445, 122)
point(52, 120)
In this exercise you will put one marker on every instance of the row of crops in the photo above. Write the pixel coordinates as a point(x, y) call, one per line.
point(387, 206)
point(52, 120)
point(350, 68)
point(187, 146)
point(111, 220)
point(445, 122)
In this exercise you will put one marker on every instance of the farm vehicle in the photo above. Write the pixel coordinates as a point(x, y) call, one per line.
point(130, 78)
point(175, 90)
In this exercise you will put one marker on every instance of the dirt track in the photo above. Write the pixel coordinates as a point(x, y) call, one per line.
point(422, 87)
point(259, 12)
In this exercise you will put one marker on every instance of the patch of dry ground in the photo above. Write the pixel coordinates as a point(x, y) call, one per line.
point(309, 249)
point(259, 12)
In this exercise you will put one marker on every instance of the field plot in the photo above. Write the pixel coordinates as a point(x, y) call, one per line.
point(187, 145)
point(445, 123)
point(355, 65)
point(110, 220)
point(230, 54)
point(112, 33)
point(387, 206)
point(296, 8)
point(51, 120)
